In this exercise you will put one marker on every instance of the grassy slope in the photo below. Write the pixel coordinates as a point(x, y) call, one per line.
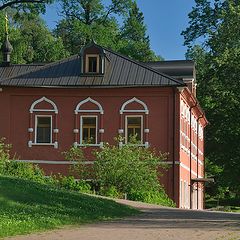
point(27, 207)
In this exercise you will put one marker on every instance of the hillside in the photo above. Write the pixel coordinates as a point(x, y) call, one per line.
point(27, 206)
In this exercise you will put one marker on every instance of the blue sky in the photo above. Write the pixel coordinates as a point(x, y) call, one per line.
point(165, 19)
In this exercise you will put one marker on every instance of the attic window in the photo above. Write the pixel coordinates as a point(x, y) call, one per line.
point(92, 63)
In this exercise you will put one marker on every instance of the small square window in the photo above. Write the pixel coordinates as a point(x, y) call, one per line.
point(43, 129)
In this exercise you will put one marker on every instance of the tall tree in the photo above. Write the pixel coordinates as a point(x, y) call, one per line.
point(218, 64)
point(31, 40)
point(36, 5)
point(136, 42)
point(85, 20)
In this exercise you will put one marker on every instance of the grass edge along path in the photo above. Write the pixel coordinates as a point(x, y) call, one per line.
point(27, 207)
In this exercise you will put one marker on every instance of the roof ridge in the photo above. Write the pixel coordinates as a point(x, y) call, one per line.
point(143, 65)
point(40, 68)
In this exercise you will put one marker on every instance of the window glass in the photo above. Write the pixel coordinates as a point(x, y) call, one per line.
point(44, 129)
point(92, 64)
point(89, 126)
point(134, 128)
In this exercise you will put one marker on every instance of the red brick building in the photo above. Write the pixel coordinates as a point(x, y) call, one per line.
point(90, 98)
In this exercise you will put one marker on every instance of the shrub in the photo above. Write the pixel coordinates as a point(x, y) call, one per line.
point(132, 170)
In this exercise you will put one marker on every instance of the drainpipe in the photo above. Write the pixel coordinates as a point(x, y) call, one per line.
point(201, 116)
point(190, 153)
point(174, 133)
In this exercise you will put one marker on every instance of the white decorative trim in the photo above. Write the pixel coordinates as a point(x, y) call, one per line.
point(75, 144)
point(89, 145)
point(171, 163)
point(56, 130)
point(57, 162)
point(180, 89)
point(32, 108)
point(146, 130)
point(56, 144)
point(101, 130)
point(30, 143)
point(100, 109)
point(30, 130)
point(120, 144)
point(188, 169)
point(1, 89)
point(101, 144)
point(120, 131)
point(122, 110)
point(43, 144)
point(75, 130)
point(146, 144)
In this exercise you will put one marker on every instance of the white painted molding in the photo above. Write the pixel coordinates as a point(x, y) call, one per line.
point(100, 109)
point(146, 144)
point(75, 130)
point(30, 130)
point(101, 130)
point(75, 144)
point(122, 110)
point(120, 144)
point(29, 143)
point(101, 144)
point(56, 145)
point(56, 130)
point(146, 130)
point(120, 131)
point(54, 162)
point(43, 99)
point(180, 89)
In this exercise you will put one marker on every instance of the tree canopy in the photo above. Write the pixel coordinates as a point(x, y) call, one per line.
point(218, 65)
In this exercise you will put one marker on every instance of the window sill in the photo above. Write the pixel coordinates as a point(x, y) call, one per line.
point(88, 145)
point(55, 144)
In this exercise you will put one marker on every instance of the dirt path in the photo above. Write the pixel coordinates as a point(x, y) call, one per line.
point(155, 223)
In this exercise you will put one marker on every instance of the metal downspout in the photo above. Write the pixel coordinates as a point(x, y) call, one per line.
point(190, 153)
point(201, 116)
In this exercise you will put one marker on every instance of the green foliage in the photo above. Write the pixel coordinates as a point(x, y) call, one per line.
point(27, 206)
point(218, 84)
point(70, 183)
point(134, 41)
point(95, 19)
point(78, 168)
point(130, 170)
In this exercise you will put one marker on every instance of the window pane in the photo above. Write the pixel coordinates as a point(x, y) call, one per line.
point(43, 130)
point(134, 130)
point(92, 61)
point(89, 130)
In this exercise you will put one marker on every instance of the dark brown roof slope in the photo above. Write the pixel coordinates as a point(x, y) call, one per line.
point(178, 68)
point(16, 69)
point(120, 72)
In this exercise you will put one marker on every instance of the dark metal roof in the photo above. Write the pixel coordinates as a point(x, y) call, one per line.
point(14, 70)
point(120, 72)
point(178, 69)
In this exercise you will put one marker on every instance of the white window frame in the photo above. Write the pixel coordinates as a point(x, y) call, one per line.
point(87, 63)
point(126, 129)
point(35, 134)
point(81, 130)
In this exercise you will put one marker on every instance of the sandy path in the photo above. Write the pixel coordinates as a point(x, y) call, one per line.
point(155, 223)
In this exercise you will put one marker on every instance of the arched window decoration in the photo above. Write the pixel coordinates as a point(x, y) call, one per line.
point(134, 122)
point(43, 123)
point(88, 129)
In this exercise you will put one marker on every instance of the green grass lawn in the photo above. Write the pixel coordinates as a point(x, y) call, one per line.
point(27, 207)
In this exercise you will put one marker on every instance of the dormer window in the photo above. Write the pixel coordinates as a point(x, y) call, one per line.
point(92, 59)
point(92, 63)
